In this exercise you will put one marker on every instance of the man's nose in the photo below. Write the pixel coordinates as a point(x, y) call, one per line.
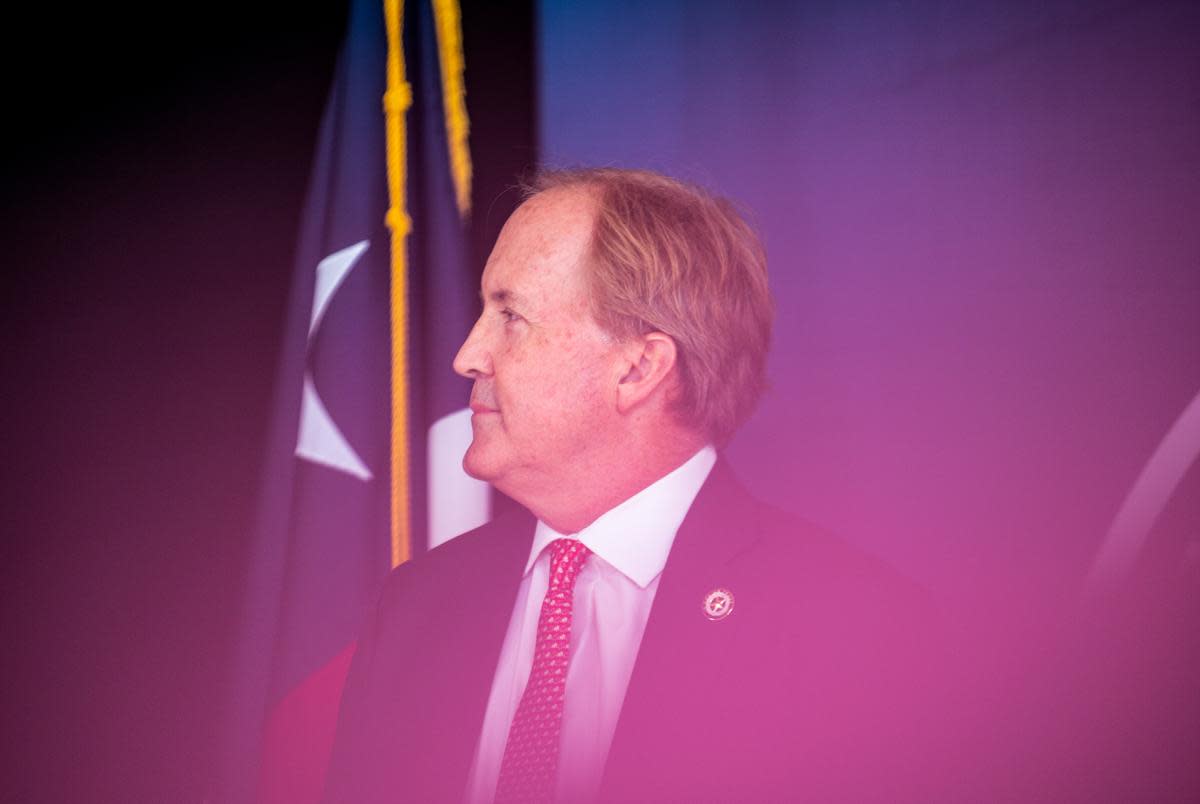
point(473, 359)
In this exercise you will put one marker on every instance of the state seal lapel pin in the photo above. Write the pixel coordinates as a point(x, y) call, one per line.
point(718, 604)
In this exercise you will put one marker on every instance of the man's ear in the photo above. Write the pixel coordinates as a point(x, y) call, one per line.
point(647, 363)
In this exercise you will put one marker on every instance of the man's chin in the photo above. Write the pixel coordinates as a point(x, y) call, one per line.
point(476, 464)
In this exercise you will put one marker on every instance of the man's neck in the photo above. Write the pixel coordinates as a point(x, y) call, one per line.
point(570, 507)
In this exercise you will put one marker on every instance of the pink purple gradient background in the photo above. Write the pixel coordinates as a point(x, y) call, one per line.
point(981, 226)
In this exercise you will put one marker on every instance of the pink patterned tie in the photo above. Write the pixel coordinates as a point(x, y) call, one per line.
point(528, 771)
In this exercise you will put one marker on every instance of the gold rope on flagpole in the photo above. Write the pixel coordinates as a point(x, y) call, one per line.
point(397, 98)
point(448, 20)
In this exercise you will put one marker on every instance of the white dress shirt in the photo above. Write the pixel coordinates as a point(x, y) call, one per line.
point(613, 594)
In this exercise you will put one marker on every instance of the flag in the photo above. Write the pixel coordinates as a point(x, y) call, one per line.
point(369, 422)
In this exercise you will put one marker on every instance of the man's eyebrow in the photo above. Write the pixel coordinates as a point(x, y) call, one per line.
point(501, 296)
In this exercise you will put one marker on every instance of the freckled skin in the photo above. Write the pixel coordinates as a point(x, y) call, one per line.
point(558, 425)
point(547, 369)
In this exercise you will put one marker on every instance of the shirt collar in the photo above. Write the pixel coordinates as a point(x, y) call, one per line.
point(636, 536)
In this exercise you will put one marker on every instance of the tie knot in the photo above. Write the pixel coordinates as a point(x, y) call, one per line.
point(566, 558)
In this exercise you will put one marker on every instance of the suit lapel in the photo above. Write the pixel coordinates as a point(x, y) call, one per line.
point(470, 634)
point(683, 657)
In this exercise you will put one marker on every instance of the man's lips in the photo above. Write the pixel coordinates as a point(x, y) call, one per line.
point(479, 407)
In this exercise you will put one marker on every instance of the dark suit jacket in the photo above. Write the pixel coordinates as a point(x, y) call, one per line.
point(822, 684)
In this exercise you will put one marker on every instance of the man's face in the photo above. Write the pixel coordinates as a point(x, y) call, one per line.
point(545, 373)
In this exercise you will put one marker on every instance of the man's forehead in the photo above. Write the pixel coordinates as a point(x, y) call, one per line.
point(552, 224)
point(541, 247)
point(564, 204)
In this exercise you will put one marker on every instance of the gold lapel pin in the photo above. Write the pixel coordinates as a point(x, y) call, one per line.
point(718, 604)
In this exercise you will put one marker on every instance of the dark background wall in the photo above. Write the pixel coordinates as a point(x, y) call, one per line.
point(150, 206)
point(152, 190)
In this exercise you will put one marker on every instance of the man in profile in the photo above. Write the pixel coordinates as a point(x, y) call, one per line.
point(645, 630)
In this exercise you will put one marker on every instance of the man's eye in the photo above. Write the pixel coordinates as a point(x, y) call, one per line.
point(509, 315)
